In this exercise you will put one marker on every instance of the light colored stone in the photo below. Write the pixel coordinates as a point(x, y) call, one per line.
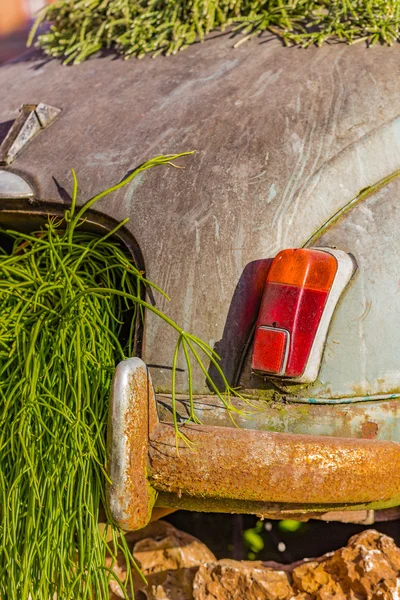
point(234, 580)
point(167, 557)
point(367, 568)
point(311, 577)
point(179, 567)
point(173, 550)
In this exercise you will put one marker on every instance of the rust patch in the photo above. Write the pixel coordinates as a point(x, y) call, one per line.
point(369, 430)
point(133, 418)
point(233, 465)
point(137, 492)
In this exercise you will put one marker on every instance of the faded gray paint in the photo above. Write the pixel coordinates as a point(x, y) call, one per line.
point(284, 139)
point(368, 420)
point(362, 351)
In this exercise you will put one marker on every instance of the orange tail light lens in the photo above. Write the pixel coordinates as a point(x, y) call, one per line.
point(303, 268)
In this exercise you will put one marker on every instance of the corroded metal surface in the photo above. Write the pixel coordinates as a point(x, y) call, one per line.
point(132, 420)
point(269, 510)
point(366, 420)
point(274, 467)
point(284, 137)
point(235, 470)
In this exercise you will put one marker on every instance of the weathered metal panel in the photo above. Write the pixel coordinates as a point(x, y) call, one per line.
point(284, 139)
point(365, 420)
point(360, 362)
point(361, 357)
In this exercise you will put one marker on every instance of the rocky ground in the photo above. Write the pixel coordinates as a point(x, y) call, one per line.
point(178, 566)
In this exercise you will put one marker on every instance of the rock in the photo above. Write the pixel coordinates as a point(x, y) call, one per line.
point(179, 567)
point(234, 580)
point(171, 549)
point(170, 562)
point(310, 577)
point(367, 568)
point(167, 557)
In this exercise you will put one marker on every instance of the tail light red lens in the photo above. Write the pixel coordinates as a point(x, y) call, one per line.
point(302, 289)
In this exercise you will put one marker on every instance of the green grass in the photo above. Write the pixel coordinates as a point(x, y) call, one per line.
point(135, 28)
point(66, 296)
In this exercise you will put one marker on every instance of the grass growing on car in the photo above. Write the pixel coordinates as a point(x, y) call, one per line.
point(64, 297)
point(81, 27)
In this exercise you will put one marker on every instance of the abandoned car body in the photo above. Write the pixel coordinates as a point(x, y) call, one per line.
point(295, 149)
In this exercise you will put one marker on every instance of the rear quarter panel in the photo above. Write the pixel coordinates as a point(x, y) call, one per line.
point(284, 139)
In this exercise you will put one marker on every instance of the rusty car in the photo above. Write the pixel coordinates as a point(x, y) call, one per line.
point(278, 244)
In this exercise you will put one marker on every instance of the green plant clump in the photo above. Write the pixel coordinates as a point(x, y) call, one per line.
point(80, 28)
point(64, 296)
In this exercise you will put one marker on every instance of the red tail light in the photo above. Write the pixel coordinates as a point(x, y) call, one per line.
point(302, 289)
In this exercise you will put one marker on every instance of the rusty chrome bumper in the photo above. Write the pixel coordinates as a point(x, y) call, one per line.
point(234, 470)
